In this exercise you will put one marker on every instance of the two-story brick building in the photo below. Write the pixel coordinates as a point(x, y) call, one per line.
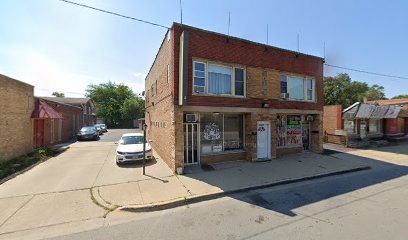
point(212, 97)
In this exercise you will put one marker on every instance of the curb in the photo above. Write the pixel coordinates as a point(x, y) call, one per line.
point(204, 197)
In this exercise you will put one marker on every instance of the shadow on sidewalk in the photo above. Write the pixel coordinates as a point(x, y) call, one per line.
point(285, 200)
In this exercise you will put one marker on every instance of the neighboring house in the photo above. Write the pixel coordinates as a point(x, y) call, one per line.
point(16, 106)
point(88, 108)
point(211, 98)
point(397, 126)
point(363, 124)
point(55, 122)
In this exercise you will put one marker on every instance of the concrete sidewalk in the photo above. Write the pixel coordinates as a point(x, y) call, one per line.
point(198, 184)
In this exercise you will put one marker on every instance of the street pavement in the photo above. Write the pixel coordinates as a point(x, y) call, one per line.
point(362, 205)
point(64, 194)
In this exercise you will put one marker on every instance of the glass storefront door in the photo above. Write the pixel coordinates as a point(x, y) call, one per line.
point(191, 148)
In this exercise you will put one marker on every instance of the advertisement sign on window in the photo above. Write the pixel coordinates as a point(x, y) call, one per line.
point(294, 130)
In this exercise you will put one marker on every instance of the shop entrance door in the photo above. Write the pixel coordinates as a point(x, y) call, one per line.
point(191, 144)
point(263, 140)
point(306, 136)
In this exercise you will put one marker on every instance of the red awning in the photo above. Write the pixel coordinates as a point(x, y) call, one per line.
point(43, 110)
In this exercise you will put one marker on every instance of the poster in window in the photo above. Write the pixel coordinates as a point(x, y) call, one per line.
point(294, 130)
point(281, 130)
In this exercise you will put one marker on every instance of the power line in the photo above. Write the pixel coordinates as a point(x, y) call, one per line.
point(367, 72)
point(113, 13)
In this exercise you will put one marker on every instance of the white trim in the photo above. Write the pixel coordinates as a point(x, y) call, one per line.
point(268, 137)
point(305, 78)
point(206, 65)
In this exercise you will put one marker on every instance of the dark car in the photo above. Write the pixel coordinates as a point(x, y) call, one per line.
point(88, 133)
point(103, 127)
point(98, 128)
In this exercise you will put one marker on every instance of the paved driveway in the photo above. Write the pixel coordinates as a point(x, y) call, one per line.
point(58, 191)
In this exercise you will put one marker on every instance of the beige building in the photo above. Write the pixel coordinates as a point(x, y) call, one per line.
point(16, 106)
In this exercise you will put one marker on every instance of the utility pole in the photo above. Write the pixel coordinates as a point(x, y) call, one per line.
point(144, 149)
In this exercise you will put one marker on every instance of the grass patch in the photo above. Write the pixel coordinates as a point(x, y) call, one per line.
point(17, 164)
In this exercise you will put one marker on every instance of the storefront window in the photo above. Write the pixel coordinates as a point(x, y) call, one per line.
point(349, 126)
point(233, 132)
point(289, 130)
point(221, 132)
point(374, 126)
point(294, 130)
point(211, 133)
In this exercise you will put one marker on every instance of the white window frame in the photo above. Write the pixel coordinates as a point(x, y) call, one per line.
point(233, 67)
point(205, 78)
point(378, 126)
point(305, 78)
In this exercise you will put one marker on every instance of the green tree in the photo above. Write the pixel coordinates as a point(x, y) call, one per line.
point(58, 94)
point(116, 104)
point(375, 92)
point(400, 96)
point(342, 90)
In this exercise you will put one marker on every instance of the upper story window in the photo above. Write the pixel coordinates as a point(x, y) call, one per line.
point(219, 80)
point(152, 89)
point(239, 82)
point(297, 88)
point(89, 110)
point(215, 79)
point(199, 77)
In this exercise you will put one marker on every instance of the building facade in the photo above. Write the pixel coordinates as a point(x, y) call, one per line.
point(16, 106)
point(87, 118)
point(212, 97)
point(55, 122)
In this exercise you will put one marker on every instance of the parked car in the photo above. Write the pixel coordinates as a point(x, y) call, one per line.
point(98, 128)
point(103, 127)
point(130, 148)
point(87, 133)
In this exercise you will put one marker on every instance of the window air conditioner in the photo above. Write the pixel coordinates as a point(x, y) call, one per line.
point(191, 117)
point(284, 96)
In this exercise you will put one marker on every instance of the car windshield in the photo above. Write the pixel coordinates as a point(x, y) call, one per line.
point(87, 129)
point(103, 125)
point(131, 140)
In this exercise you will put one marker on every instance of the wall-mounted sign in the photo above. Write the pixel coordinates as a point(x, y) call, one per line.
point(212, 132)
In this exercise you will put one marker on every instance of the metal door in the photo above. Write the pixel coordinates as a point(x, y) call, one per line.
point(263, 140)
point(191, 144)
point(306, 136)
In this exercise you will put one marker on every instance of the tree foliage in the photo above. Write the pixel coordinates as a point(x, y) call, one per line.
point(58, 94)
point(400, 96)
point(342, 90)
point(116, 104)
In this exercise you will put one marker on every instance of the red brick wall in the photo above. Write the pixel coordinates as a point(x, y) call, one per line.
point(332, 118)
point(68, 113)
point(216, 47)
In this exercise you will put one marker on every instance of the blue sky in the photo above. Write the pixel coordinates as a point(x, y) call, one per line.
point(60, 47)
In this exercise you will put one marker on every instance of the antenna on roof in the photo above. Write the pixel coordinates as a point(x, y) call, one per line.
point(324, 50)
point(267, 34)
point(298, 43)
point(229, 23)
point(181, 14)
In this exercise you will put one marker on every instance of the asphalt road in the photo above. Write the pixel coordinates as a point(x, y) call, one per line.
point(113, 135)
point(364, 205)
